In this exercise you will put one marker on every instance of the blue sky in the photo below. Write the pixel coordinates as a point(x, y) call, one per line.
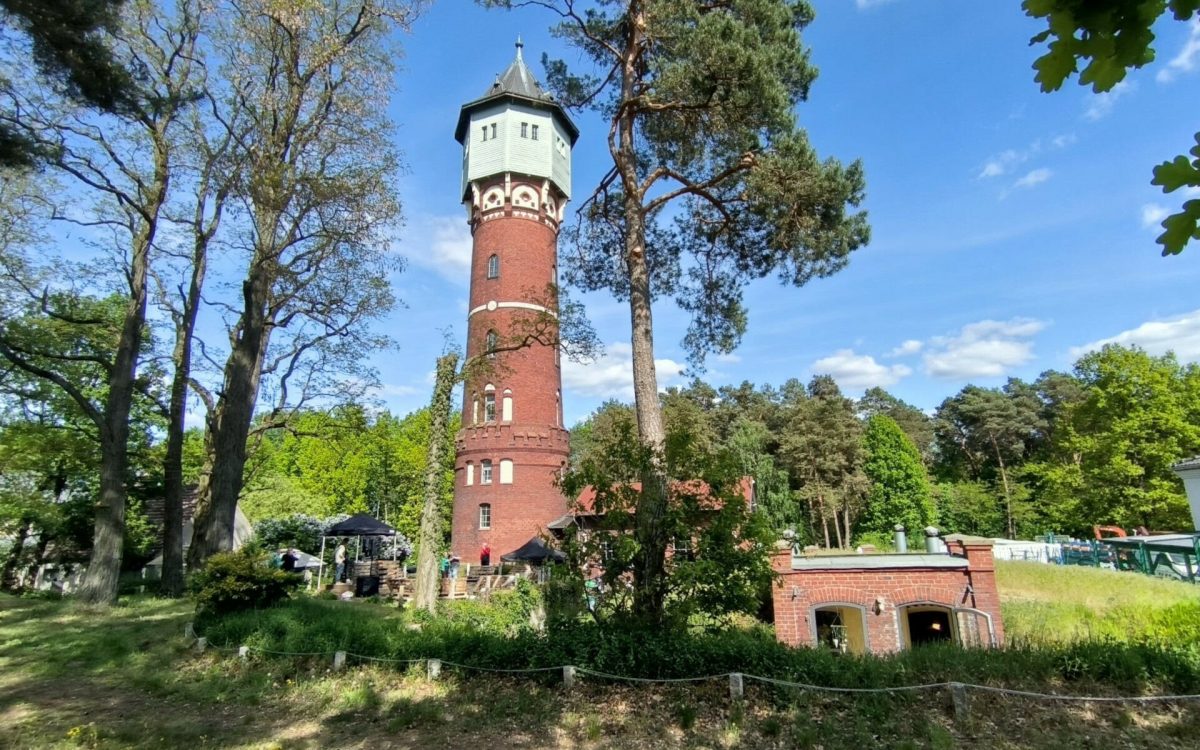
point(1011, 230)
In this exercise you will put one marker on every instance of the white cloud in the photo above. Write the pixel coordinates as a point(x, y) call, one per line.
point(1007, 161)
point(1001, 163)
point(852, 370)
point(729, 358)
point(986, 349)
point(1179, 334)
point(611, 376)
point(911, 346)
point(441, 244)
point(1100, 106)
point(1185, 61)
point(1153, 214)
point(1033, 177)
point(1064, 140)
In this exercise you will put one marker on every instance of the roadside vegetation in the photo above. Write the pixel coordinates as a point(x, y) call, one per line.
point(72, 676)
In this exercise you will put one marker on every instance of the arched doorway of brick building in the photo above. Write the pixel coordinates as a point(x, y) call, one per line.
point(923, 624)
point(840, 627)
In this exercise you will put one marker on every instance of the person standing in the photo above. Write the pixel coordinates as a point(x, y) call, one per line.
point(339, 558)
point(485, 554)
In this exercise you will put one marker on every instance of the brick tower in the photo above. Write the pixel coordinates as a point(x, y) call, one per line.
point(516, 181)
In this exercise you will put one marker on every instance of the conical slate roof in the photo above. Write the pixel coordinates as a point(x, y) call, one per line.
point(516, 83)
point(517, 80)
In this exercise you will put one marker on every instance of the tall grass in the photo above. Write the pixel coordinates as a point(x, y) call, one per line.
point(306, 626)
point(1050, 604)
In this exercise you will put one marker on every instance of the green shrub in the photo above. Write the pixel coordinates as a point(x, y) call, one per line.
point(234, 581)
point(488, 641)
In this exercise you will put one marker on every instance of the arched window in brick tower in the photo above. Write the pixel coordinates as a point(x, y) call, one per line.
point(493, 269)
point(470, 473)
point(506, 471)
point(485, 515)
point(489, 403)
point(506, 406)
point(474, 408)
point(485, 471)
point(491, 342)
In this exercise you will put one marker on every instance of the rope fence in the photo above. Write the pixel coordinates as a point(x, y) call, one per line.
point(958, 690)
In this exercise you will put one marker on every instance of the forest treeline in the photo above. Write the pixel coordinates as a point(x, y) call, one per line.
point(1071, 449)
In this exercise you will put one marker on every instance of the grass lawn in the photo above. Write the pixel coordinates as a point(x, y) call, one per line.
point(1045, 604)
point(124, 678)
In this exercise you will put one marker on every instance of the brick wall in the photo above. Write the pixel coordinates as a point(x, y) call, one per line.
point(525, 242)
point(882, 594)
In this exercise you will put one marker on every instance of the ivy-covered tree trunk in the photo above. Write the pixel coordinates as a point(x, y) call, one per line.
point(426, 586)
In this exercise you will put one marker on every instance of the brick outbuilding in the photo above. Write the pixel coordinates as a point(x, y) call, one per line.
point(881, 603)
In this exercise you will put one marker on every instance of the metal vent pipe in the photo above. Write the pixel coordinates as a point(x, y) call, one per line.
point(933, 541)
point(901, 538)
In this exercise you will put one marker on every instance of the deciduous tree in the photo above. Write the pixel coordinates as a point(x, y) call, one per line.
point(899, 485)
point(1110, 37)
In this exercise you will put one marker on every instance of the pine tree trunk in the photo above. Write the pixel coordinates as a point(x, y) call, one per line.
point(426, 585)
point(1008, 511)
point(846, 519)
point(837, 529)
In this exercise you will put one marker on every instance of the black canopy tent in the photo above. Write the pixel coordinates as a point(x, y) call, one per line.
point(358, 526)
point(534, 551)
point(361, 525)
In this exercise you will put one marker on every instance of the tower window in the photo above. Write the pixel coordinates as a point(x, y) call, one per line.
point(485, 515)
point(484, 130)
point(533, 135)
point(489, 407)
point(485, 471)
point(493, 130)
point(490, 344)
point(506, 406)
point(474, 409)
point(470, 473)
point(506, 471)
point(493, 266)
point(524, 130)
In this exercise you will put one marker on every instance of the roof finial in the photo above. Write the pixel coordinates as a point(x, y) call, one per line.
point(520, 45)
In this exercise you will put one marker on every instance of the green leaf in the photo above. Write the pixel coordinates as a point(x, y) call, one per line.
point(1181, 228)
point(1054, 67)
point(1174, 174)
